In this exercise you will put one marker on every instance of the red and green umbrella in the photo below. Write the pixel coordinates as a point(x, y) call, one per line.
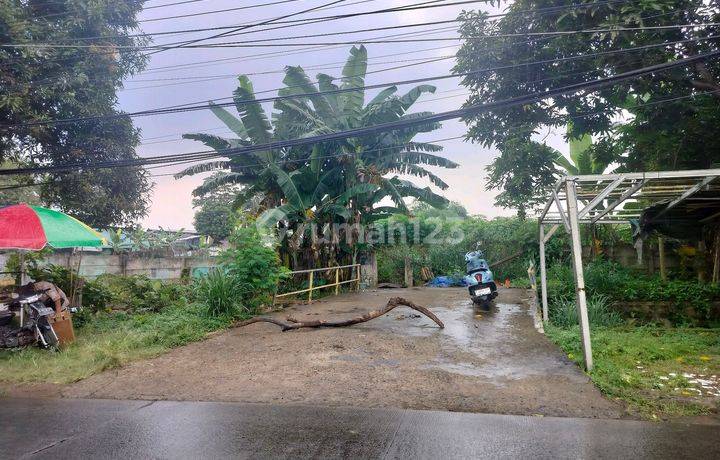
point(33, 227)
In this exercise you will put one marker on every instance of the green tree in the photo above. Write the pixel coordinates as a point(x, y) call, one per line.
point(656, 134)
point(40, 84)
point(327, 183)
point(214, 216)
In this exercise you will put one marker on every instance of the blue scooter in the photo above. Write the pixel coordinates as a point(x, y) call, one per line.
point(479, 279)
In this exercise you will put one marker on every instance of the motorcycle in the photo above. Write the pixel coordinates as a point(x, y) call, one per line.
point(479, 279)
point(34, 323)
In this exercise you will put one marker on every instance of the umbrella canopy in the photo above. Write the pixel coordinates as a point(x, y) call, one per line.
point(34, 227)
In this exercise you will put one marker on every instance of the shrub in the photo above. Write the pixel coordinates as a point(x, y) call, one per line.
point(138, 293)
point(620, 284)
point(219, 293)
point(563, 313)
point(253, 265)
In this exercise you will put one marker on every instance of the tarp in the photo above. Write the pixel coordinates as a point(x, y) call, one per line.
point(446, 281)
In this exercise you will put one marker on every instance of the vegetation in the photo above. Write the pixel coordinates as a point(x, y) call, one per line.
point(309, 192)
point(653, 369)
point(42, 83)
point(439, 239)
point(215, 216)
point(110, 340)
point(647, 363)
point(692, 302)
point(658, 135)
point(127, 318)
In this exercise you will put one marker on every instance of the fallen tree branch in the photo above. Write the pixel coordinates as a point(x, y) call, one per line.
point(292, 324)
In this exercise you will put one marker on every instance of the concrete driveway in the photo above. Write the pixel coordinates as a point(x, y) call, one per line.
point(492, 362)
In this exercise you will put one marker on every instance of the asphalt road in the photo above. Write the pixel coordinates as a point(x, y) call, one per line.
point(66, 428)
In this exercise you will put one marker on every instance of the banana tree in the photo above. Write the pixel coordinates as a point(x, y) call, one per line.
point(330, 182)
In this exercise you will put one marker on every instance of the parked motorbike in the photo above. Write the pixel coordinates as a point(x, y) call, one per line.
point(34, 322)
point(479, 279)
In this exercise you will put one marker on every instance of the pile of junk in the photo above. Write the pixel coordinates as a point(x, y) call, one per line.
point(38, 312)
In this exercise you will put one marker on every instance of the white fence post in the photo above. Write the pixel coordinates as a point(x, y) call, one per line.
point(572, 209)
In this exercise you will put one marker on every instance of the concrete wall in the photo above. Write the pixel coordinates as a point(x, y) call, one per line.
point(626, 255)
point(160, 267)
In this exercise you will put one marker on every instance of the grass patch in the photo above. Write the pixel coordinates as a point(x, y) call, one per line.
point(650, 368)
point(108, 341)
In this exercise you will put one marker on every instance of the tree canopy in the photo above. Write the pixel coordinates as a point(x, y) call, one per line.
point(310, 188)
point(215, 216)
point(660, 121)
point(40, 84)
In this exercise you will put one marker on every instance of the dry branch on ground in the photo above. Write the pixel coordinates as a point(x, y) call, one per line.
point(291, 324)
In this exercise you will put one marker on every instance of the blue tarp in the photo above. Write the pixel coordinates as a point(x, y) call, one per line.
point(446, 281)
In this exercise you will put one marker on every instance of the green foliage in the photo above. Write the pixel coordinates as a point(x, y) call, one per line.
point(659, 135)
point(41, 83)
point(254, 266)
point(332, 183)
point(564, 313)
point(219, 293)
point(615, 283)
point(439, 239)
point(215, 216)
point(110, 340)
point(644, 366)
point(138, 293)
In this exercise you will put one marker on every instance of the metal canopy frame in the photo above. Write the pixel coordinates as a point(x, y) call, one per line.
point(601, 199)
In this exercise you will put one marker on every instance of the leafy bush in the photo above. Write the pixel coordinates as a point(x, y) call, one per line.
point(620, 284)
point(563, 313)
point(253, 265)
point(138, 293)
point(219, 293)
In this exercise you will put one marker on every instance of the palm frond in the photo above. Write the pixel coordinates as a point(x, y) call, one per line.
point(351, 102)
point(416, 157)
point(203, 167)
point(414, 94)
point(418, 171)
point(288, 187)
point(232, 122)
point(298, 82)
point(382, 96)
point(325, 83)
point(251, 113)
point(219, 180)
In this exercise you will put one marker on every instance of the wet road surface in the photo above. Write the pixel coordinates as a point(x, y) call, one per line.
point(165, 429)
point(493, 362)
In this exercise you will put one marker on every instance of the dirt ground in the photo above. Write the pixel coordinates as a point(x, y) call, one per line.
point(481, 362)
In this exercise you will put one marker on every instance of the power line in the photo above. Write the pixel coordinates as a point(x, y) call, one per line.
point(226, 10)
point(268, 21)
point(189, 108)
point(261, 43)
point(399, 124)
point(293, 23)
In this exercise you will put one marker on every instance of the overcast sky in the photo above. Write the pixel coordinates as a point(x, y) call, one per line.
point(155, 87)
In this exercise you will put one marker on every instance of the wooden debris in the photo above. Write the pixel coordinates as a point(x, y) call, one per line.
point(291, 323)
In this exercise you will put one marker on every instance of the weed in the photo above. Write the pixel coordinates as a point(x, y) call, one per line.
point(646, 366)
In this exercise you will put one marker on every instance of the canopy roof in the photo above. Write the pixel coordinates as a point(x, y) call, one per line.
point(666, 201)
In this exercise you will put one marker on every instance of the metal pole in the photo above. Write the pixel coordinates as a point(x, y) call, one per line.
point(23, 273)
point(337, 281)
point(543, 274)
point(572, 207)
point(661, 255)
point(310, 287)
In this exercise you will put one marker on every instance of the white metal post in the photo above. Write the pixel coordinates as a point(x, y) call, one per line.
point(572, 208)
point(543, 275)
